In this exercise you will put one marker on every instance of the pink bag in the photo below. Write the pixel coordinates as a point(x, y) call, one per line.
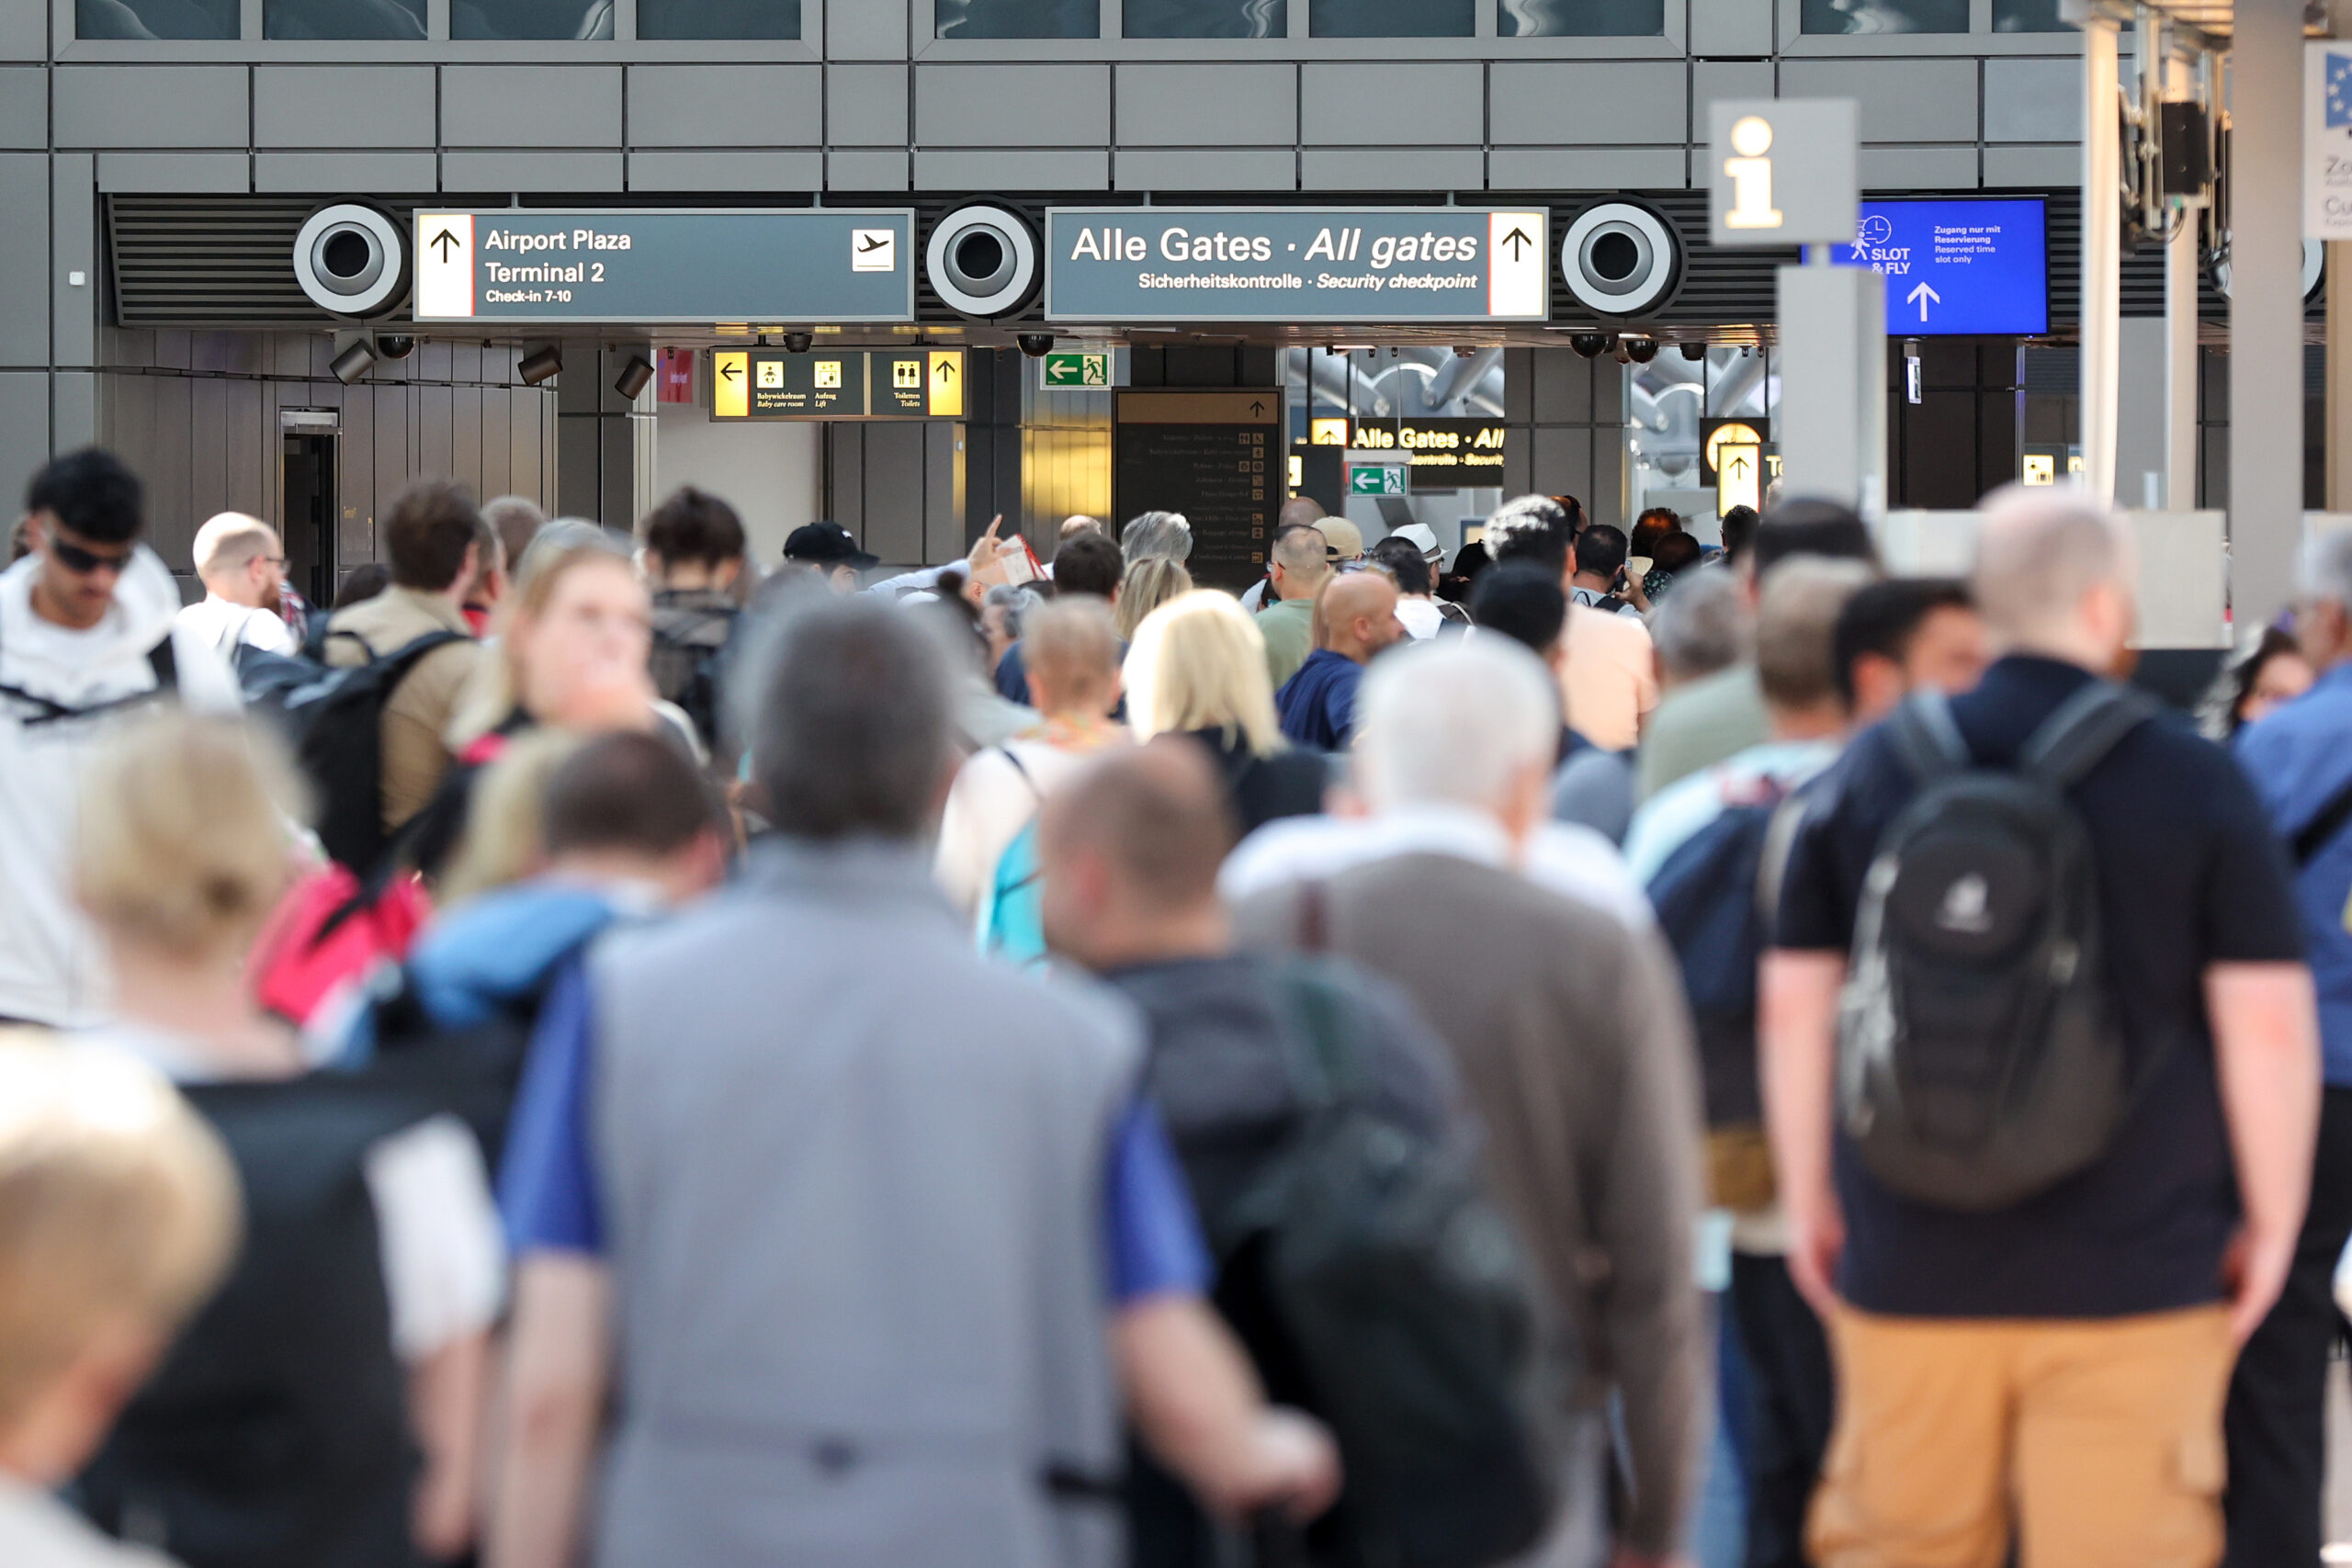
point(330, 933)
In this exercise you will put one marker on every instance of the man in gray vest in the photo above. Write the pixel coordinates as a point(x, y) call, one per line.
point(879, 1236)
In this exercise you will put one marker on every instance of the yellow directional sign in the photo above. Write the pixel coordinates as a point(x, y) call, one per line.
point(730, 380)
point(1739, 475)
point(945, 387)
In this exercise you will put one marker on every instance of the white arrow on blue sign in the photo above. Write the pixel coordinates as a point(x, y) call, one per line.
point(1957, 266)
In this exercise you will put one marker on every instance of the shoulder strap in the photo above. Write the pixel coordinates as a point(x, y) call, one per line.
point(2083, 730)
point(1609, 605)
point(1926, 738)
point(409, 652)
point(1023, 769)
point(165, 664)
point(2320, 830)
point(1773, 865)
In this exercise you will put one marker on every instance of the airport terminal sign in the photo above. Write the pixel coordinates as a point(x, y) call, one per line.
point(1296, 264)
point(685, 265)
point(1956, 266)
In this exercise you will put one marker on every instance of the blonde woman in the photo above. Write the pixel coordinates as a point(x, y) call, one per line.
point(1197, 667)
point(1148, 584)
point(283, 1429)
point(1073, 671)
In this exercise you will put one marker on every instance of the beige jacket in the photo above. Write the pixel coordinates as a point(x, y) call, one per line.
point(415, 757)
point(1573, 1041)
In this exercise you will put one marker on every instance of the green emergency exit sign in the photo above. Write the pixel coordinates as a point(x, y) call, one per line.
point(1376, 478)
point(1077, 370)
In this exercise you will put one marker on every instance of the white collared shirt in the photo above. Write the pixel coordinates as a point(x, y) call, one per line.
point(1573, 862)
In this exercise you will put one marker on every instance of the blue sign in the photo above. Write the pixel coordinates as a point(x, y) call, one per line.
point(1956, 265)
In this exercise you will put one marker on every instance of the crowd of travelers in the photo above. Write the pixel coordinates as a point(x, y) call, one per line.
point(1598, 1050)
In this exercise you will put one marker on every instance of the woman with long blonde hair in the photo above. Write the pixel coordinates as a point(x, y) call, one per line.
point(1197, 666)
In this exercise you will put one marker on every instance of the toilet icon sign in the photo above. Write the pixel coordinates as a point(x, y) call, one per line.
point(1751, 176)
point(1814, 139)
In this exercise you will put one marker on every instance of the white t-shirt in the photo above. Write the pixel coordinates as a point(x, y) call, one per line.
point(224, 624)
point(38, 1531)
point(444, 1253)
point(992, 800)
point(1419, 617)
point(1611, 679)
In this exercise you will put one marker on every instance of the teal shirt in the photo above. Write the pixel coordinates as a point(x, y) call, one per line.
point(1289, 630)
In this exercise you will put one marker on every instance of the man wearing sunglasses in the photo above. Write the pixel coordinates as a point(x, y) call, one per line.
point(87, 640)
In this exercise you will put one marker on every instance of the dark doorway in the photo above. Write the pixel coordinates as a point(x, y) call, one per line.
point(309, 515)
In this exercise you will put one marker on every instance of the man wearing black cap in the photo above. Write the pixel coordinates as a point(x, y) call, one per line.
point(830, 550)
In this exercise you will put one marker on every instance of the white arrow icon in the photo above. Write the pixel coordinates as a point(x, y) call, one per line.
point(1922, 296)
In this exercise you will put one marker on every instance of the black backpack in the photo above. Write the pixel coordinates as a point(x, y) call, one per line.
point(336, 724)
point(1980, 1059)
point(274, 1434)
point(690, 646)
point(1414, 1316)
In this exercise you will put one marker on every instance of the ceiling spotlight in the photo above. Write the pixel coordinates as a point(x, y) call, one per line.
point(633, 375)
point(1592, 345)
point(1640, 350)
point(353, 362)
point(1693, 348)
point(540, 366)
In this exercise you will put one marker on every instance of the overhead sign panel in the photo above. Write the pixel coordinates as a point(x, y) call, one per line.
point(668, 265)
point(1211, 456)
point(1957, 266)
point(1296, 264)
point(839, 383)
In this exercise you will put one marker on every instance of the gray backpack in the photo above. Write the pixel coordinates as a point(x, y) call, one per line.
point(1980, 1060)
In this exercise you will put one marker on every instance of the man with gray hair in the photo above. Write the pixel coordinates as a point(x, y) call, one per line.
point(1155, 536)
point(241, 564)
point(878, 1237)
point(1706, 626)
point(2055, 1364)
point(2299, 759)
point(1566, 1024)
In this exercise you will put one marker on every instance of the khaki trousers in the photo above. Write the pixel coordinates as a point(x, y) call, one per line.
point(2101, 1440)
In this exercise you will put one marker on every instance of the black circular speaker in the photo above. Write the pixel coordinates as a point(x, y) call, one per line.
point(1620, 259)
point(349, 259)
point(982, 261)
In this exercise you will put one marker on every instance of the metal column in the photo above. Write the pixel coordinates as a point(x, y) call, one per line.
point(2181, 342)
point(2102, 299)
point(2265, 97)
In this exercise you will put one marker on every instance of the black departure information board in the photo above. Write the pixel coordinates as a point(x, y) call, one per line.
point(1218, 458)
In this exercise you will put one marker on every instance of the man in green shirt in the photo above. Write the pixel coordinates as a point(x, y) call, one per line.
point(1297, 571)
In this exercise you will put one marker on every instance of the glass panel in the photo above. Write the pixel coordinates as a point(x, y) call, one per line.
point(1019, 18)
point(1884, 16)
point(570, 19)
point(155, 18)
point(717, 18)
point(1582, 19)
point(344, 18)
point(1207, 19)
point(2027, 16)
point(1392, 18)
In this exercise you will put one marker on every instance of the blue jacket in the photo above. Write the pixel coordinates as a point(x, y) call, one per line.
point(1318, 704)
point(2297, 759)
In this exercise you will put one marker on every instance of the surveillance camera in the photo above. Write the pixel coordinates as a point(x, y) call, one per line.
point(395, 345)
point(799, 342)
point(982, 261)
point(1620, 258)
point(1592, 345)
point(1036, 345)
point(1640, 350)
point(350, 259)
point(1693, 348)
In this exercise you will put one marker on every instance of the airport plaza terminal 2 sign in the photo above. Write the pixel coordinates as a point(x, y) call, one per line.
point(665, 265)
point(1296, 265)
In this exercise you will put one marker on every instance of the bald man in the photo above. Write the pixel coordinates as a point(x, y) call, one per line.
point(243, 567)
point(1299, 511)
point(1354, 619)
point(2052, 1365)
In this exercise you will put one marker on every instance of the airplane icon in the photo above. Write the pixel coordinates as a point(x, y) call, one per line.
point(873, 250)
